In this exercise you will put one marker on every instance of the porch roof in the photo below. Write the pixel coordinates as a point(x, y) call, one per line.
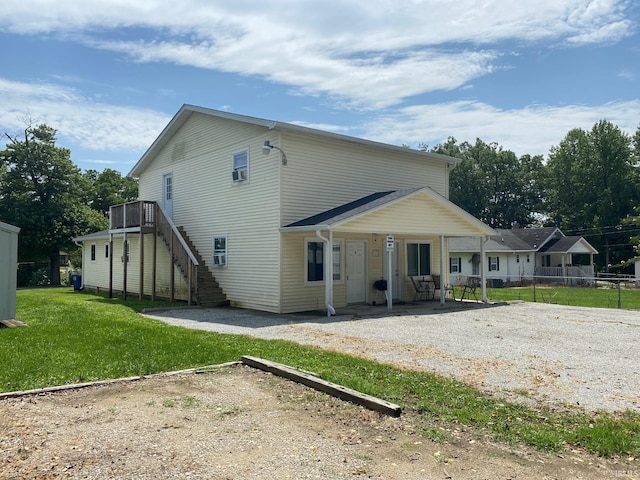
point(413, 211)
point(101, 235)
point(569, 245)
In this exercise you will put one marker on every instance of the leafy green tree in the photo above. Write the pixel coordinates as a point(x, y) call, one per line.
point(44, 193)
point(493, 184)
point(593, 186)
point(110, 188)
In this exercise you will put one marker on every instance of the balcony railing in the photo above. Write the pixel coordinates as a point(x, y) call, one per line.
point(133, 214)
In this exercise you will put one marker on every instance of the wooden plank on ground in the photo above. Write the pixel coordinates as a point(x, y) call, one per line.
point(12, 323)
point(334, 389)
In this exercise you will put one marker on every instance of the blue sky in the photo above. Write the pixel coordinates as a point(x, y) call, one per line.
point(110, 74)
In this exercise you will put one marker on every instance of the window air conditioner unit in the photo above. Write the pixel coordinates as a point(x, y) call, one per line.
point(239, 175)
point(218, 259)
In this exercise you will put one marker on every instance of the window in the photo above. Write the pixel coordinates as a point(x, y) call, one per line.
point(240, 166)
point(455, 265)
point(93, 252)
point(168, 188)
point(494, 264)
point(220, 250)
point(546, 260)
point(106, 250)
point(517, 258)
point(528, 258)
point(315, 261)
point(418, 259)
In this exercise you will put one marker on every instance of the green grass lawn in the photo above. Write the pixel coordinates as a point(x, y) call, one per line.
point(77, 337)
point(605, 296)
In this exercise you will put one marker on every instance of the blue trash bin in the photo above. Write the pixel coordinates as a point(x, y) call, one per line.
point(77, 281)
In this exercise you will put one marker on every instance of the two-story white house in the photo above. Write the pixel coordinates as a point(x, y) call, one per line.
point(276, 217)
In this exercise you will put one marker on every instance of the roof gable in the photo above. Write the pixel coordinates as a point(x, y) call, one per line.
point(180, 118)
point(411, 211)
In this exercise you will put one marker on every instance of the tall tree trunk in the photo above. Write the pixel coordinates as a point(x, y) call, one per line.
point(54, 268)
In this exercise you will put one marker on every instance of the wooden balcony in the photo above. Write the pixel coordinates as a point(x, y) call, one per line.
point(133, 216)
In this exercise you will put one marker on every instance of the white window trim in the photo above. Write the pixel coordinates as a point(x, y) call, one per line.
point(497, 264)
point(336, 241)
point(225, 255)
point(93, 252)
point(242, 178)
point(406, 254)
point(458, 265)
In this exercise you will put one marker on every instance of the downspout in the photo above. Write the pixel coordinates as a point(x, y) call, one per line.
point(442, 270)
point(483, 276)
point(328, 271)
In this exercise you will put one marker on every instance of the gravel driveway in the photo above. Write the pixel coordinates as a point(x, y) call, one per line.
point(524, 351)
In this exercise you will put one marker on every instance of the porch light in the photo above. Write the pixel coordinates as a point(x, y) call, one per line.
point(267, 147)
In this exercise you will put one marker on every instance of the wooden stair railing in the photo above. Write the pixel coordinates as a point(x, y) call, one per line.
point(183, 257)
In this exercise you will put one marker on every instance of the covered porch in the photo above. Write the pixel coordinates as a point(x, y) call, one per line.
point(557, 261)
point(391, 236)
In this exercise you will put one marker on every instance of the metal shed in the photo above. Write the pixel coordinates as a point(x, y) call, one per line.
point(8, 270)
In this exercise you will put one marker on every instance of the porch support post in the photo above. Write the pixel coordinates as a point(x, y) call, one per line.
point(125, 260)
point(443, 280)
point(155, 258)
point(141, 249)
point(172, 282)
point(483, 275)
point(110, 265)
point(141, 254)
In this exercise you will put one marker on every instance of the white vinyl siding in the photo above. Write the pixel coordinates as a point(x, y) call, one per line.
point(97, 277)
point(338, 173)
point(206, 202)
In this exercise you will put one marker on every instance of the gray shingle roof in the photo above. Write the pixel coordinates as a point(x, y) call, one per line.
point(352, 209)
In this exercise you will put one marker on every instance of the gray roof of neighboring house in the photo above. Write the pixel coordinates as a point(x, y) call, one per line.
point(535, 237)
point(523, 240)
point(505, 241)
point(564, 244)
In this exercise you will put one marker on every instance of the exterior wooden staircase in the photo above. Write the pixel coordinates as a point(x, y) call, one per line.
point(148, 217)
point(209, 293)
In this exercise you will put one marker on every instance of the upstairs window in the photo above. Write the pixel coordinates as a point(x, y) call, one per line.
point(220, 250)
point(240, 166)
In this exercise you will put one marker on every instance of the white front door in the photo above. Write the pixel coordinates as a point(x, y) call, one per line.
point(356, 272)
point(167, 194)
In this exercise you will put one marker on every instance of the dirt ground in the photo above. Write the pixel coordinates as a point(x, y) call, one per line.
point(240, 423)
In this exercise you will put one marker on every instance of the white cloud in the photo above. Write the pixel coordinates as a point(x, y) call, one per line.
point(533, 130)
point(371, 54)
point(92, 125)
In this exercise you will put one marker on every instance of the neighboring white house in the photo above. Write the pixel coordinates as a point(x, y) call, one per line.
point(262, 204)
point(8, 270)
point(519, 254)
